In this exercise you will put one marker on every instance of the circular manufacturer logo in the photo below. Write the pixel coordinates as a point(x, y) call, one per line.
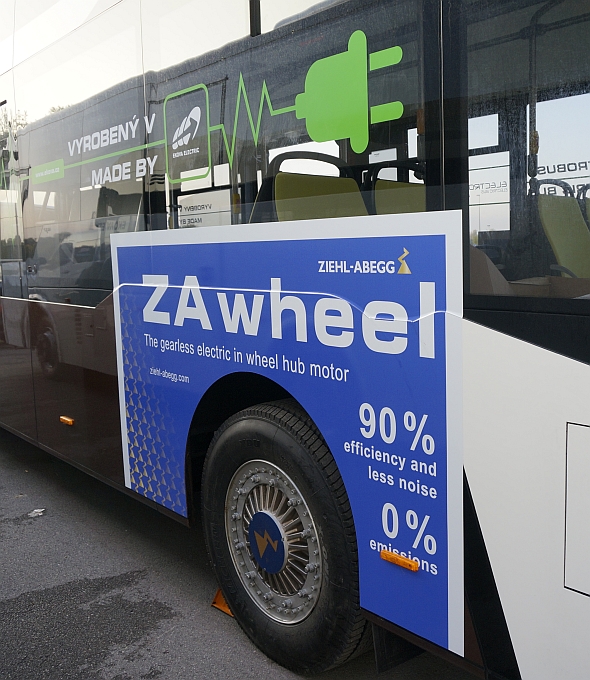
point(267, 542)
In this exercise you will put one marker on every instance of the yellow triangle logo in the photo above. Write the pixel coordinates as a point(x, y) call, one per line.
point(403, 269)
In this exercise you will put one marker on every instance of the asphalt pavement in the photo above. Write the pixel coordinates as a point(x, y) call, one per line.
point(96, 586)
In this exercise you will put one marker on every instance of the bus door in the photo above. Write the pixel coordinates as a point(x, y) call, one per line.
point(71, 332)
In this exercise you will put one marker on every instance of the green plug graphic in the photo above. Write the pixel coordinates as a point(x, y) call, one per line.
point(335, 103)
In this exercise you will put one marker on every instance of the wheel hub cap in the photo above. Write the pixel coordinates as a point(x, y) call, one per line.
point(267, 542)
point(273, 541)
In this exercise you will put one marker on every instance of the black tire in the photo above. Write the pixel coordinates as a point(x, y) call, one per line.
point(48, 355)
point(282, 435)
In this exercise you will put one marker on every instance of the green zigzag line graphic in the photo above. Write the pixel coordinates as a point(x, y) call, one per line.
point(255, 127)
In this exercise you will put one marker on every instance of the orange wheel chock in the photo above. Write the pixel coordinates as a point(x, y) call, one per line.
point(220, 603)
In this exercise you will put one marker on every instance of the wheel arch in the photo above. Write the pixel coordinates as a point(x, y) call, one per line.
point(282, 439)
point(228, 395)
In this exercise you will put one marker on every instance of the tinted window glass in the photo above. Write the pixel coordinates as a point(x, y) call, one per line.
point(529, 165)
point(275, 13)
point(322, 117)
point(177, 30)
point(82, 99)
point(39, 23)
point(11, 236)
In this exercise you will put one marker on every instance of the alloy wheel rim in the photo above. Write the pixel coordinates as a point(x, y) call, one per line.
point(273, 541)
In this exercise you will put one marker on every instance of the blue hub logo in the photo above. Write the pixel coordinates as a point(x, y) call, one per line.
point(267, 542)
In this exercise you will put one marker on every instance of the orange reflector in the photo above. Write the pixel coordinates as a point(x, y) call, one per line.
point(66, 420)
point(401, 561)
point(220, 603)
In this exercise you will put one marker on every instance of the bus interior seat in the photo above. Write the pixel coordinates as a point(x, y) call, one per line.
point(308, 197)
point(566, 229)
point(484, 276)
point(399, 197)
point(296, 196)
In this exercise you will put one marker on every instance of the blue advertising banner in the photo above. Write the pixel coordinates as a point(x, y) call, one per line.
point(359, 320)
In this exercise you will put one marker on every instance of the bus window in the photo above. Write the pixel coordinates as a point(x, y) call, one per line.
point(277, 13)
point(263, 109)
point(177, 30)
point(76, 153)
point(10, 197)
point(31, 34)
point(528, 159)
point(565, 152)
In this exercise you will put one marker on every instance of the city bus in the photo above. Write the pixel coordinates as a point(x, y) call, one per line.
point(317, 276)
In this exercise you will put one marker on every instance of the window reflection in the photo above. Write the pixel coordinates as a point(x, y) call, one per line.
point(39, 23)
point(128, 125)
point(529, 165)
point(177, 30)
point(10, 203)
point(276, 13)
point(82, 104)
point(96, 56)
point(6, 37)
point(249, 93)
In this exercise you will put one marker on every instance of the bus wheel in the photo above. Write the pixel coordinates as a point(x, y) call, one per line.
point(280, 535)
point(47, 354)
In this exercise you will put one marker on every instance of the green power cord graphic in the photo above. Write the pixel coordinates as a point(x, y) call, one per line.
point(334, 103)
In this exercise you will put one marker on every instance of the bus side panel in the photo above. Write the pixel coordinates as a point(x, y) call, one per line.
point(73, 360)
point(518, 401)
